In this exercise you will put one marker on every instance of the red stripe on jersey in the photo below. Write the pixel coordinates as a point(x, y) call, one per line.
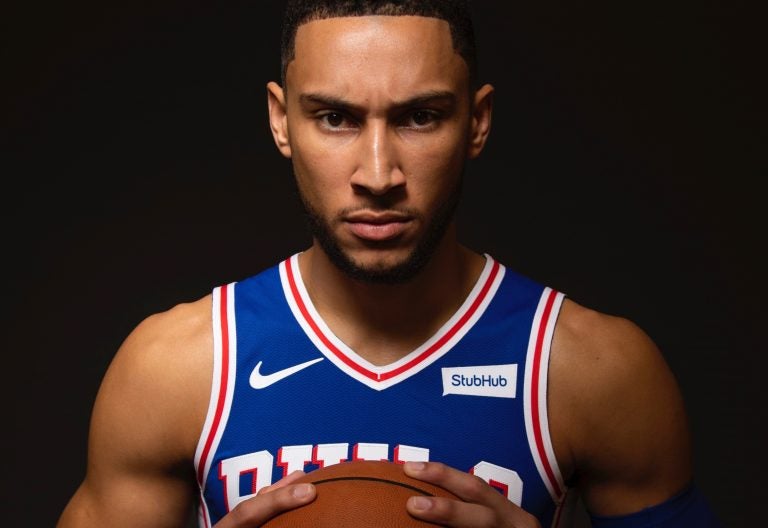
point(559, 512)
point(535, 411)
point(415, 361)
point(204, 509)
point(222, 396)
point(316, 329)
point(453, 330)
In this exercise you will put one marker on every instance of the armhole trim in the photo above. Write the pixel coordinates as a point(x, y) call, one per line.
point(535, 392)
point(222, 387)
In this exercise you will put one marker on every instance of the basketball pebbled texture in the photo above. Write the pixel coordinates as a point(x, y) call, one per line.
point(359, 494)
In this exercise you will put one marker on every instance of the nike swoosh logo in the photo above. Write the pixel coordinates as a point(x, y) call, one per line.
point(260, 381)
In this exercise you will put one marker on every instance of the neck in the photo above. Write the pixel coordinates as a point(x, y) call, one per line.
point(384, 322)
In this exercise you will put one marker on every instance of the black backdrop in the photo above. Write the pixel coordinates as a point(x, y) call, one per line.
point(625, 168)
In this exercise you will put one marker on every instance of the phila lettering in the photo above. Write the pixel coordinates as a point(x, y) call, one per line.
point(243, 476)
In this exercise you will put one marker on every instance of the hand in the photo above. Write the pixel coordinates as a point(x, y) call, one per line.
point(483, 506)
point(270, 501)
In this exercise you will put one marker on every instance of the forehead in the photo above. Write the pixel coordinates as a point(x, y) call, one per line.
point(389, 53)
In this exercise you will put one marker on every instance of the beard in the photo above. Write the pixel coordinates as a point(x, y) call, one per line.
point(400, 272)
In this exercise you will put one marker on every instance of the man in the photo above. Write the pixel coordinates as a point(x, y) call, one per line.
point(386, 339)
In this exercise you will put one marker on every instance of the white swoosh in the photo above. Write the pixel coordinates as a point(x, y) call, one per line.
point(259, 381)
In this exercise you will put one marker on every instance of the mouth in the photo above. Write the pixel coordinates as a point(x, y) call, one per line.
point(377, 226)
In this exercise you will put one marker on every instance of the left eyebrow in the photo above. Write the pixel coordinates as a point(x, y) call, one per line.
point(437, 97)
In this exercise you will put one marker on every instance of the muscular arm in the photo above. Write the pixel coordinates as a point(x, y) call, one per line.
point(616, 416)
point(145, 424)
point(617, 424)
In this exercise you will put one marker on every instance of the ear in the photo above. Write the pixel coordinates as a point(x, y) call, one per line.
point(482, 108)
point(278, 120)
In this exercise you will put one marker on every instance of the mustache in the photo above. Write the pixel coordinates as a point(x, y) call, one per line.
point(390, 202)
point(377, 208)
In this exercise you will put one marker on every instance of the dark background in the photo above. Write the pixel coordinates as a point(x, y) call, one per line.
point(625, 168)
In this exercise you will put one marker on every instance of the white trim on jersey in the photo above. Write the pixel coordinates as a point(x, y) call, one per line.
point(222, 387)
point(565, 511)
point(535, 392)
point(379, 377)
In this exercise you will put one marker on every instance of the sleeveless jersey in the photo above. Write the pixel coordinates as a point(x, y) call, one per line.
point(287, 394)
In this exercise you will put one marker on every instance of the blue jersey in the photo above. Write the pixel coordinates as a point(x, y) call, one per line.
point(288, 394)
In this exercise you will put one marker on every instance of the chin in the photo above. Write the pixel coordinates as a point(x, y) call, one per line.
point(379, 269)
point(393, 261)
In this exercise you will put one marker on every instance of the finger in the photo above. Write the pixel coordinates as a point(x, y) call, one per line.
point(483, 505)
point(451, 513)
point(288, 479)
point(259, 509)
point(462, 484)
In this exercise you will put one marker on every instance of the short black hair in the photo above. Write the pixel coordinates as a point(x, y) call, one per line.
point(455, 12)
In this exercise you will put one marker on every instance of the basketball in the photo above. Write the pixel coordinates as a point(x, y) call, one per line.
point(359, 494)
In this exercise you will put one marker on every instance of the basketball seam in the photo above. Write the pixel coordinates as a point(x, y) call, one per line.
point(374, 479)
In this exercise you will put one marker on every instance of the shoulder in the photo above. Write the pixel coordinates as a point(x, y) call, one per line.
point(157, 385)
point(172, 335)
point(616, 414)
point(145, 423)
point(602, 347)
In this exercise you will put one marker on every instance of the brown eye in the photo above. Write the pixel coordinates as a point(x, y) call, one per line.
point(334, 120)
point(421, 117)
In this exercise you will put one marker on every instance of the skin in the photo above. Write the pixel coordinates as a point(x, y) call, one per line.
point(404, 126)
point(379, 119)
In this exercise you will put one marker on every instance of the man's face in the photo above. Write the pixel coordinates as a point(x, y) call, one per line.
point(378, 119)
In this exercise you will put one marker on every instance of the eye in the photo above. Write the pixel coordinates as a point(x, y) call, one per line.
point(334, 119)
point(421, 119)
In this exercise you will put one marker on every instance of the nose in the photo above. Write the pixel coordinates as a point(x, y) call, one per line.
point(378, 166)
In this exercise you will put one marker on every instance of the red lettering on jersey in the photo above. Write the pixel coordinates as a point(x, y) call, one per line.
point(259, 465)
point(503, 479)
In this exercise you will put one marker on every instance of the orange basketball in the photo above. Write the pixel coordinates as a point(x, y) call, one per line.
point(359, 494)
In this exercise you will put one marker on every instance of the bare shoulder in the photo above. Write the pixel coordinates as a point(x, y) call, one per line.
point(607, 352)
point(163, 368)
point(617, 417)
point(145, 424)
